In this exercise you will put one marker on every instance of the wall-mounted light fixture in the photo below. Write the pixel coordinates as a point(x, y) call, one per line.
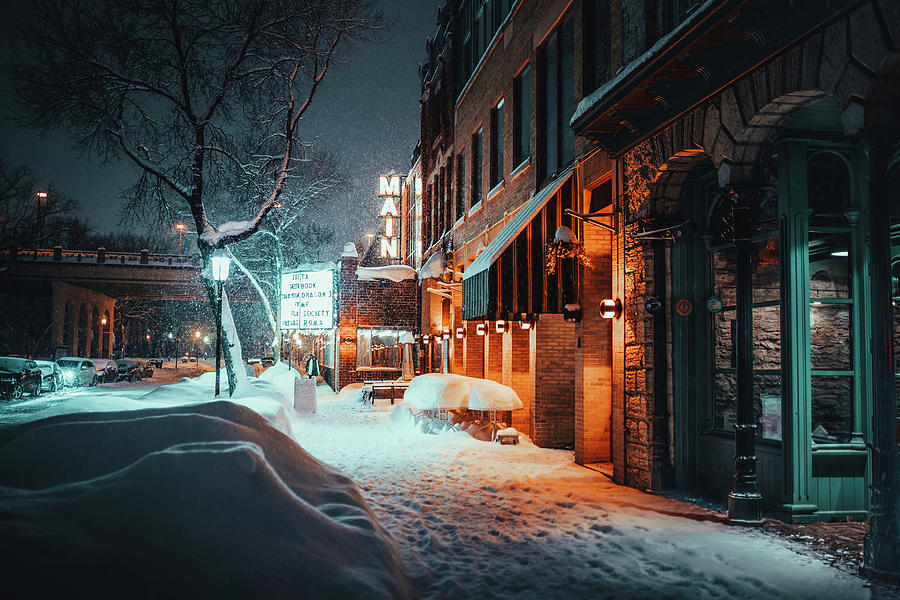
point(610, 308)
point(500, 326)
point(479, 329)
point(460, 333)
point(526, 321)
point(426, 338)
point(446, 334)
point(347, 340)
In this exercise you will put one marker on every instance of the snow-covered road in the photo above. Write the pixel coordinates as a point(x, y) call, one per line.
point(481, 520)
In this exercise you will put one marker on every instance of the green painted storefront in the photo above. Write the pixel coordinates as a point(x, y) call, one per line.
point(812, 363)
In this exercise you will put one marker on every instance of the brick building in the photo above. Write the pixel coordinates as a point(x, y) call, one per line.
point(723, 170)
point(374, 313)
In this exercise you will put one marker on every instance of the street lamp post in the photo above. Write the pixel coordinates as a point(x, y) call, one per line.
point(220, 264)
point(42, 197)
point(179, 227)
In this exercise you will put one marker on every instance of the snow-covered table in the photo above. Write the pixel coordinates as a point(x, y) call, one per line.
point(371, 388)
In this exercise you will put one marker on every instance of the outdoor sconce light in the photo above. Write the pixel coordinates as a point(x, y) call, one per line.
point(525, 324)
point(438, 339)
point(526, 321)
point(610, 308)
point(460, 333)
point(500, 326)
point(426, 338)
point(103, 321)
point(479, 329)
point(347, 340)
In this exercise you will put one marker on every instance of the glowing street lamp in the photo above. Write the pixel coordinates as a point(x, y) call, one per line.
point(42, 200)
point(179, 227)
point(220, 264)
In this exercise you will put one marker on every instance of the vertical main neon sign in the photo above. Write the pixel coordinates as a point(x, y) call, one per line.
point(389, 188)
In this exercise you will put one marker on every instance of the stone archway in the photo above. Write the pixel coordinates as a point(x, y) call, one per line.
point(68, 340)
point(95, 341)
point(105, 329)
point(82, 331)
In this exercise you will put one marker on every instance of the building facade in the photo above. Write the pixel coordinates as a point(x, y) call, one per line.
point(659, 221)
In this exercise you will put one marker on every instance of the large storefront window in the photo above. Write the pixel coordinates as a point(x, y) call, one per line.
point(767, 391)
point(831, 327)
point(378, 348)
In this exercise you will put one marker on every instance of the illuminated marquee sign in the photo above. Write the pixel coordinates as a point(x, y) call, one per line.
point(389, 187)
point(307, 300)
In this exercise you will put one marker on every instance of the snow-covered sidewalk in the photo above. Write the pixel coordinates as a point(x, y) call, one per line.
point(483, 520)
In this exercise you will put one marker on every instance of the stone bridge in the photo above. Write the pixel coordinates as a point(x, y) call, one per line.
point(85, 285)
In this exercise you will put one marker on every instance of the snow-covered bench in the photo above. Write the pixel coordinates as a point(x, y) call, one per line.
point(371, 389)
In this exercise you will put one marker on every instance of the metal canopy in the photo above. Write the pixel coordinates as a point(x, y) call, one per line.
point(477, 297)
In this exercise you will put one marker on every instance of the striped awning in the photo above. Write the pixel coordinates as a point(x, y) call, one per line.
point(480, 289)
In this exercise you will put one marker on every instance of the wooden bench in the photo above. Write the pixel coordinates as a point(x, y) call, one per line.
point(371, 388)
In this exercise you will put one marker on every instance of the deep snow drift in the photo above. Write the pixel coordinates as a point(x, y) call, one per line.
point(165, 499)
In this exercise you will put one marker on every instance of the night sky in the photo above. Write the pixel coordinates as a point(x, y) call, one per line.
point(366, 113)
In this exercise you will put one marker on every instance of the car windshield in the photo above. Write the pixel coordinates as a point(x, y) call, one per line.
point(11, 364)
point(68, 364)
point(100, 363)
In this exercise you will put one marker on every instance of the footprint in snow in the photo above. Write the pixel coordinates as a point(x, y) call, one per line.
point(566, 504)
point(601, 528)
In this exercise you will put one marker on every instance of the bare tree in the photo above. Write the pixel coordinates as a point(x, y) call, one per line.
point(26, 219)
point(204, 98)
point(290, 236)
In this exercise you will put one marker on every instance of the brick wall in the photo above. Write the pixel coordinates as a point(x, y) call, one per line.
point(552, 352)
point(593, 355)
point(493, 350)
point(473, 351)
point(377, 303)
point(518, 375)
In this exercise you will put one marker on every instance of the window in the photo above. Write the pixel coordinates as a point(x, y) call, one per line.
point(596, 39)
point(461, 184)
point(557, 96)
point(497, 144)
point(476, 168)
point(522, 116)
point(378, 347)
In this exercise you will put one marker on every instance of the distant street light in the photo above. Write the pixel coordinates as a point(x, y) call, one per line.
point(220, 265)
point(42, 200)
point(103, 321)
point(179, 227)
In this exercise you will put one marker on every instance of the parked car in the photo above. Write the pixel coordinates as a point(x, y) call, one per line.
point(156, 362)
point(187, 359)
point(78, 371)
point(18, 376)
point(107, 370)
point(129, 369)
point(267, 361)
point(52, 375)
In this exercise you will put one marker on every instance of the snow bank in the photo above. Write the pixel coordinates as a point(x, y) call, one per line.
point(448, 391)
point(389, 272)
point(198, 501)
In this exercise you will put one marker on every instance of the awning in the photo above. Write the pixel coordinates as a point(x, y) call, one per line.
point(479, 299)
point(716, 45)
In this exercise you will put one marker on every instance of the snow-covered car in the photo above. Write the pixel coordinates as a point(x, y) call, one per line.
point(106, 369)
point(130, 369)
point(187, 359)
point(78, 371)
point(267, 361)
point(53, 378)
point(18, 376)
point(155, 362)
